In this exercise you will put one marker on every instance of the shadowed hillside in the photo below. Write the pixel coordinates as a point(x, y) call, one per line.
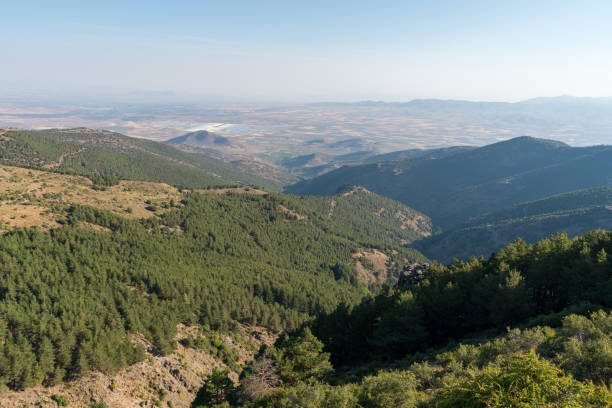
point(453, 188)
point(574, 213)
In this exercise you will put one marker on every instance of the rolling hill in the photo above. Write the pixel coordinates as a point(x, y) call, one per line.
point(315, 164)
point(212, 145)
point(308, 160)
point(463, 184)
point(414, 153)
point(112, 155)
point(201, 138)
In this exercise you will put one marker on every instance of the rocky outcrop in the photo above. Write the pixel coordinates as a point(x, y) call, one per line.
point(411, 274)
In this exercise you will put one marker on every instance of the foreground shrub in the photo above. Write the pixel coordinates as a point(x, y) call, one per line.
point(522, 381)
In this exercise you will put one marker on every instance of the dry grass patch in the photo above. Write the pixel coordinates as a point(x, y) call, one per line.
point(232, 190)
point(39, 189)
point(22, 215)
point(372, 265)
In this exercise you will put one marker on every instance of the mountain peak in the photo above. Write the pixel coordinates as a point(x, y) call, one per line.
point(526, 141)
point(201, 138)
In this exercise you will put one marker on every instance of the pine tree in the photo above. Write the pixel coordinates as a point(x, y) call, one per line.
point(301, 358)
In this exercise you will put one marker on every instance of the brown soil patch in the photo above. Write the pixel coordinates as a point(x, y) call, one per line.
point(297, 215)
point(356, 190)
point(332, 205)
point(232, 190)
point(414, 222)
point(372, 265)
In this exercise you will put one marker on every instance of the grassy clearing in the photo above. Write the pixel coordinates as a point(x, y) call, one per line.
point(33, 198)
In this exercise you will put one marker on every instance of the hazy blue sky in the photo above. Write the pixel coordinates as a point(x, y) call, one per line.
point(312, 50)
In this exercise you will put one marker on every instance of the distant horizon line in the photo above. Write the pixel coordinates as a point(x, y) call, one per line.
point(172, 97)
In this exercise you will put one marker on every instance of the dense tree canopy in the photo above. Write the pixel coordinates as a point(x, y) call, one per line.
point(71, 298)
point(567, 365)
point(450, 302)
point(540, 366)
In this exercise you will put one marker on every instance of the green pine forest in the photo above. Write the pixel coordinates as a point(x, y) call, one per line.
point(527, 325)
point(72, 296)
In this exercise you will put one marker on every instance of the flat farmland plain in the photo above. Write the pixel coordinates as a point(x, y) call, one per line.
point(274, 132)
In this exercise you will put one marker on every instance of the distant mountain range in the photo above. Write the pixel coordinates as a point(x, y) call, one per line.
point(459, 188)
point(431, 102)
point(452, 188)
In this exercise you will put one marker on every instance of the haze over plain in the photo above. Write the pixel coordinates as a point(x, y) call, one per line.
point(318, 204)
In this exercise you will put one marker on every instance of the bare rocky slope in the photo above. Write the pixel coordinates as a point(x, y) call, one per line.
point(159, 381)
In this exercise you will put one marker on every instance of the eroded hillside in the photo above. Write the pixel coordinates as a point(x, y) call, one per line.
point(170, 380)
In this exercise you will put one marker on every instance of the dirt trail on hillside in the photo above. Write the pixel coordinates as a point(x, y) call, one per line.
point(332, 205)
point(61, 160)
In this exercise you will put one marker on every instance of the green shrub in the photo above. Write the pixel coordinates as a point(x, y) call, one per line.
point(395, 389)
point(521, 381)
point(311, 396)
point(61, 400)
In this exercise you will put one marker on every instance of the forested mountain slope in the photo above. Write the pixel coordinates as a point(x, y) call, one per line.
point(436, 340)
point(104, 154)
point(80, 284)
point(453, 188)
point(102, 275)
point(315, 164)
point(574, 213)
point(515, 284)
point(372, 215)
